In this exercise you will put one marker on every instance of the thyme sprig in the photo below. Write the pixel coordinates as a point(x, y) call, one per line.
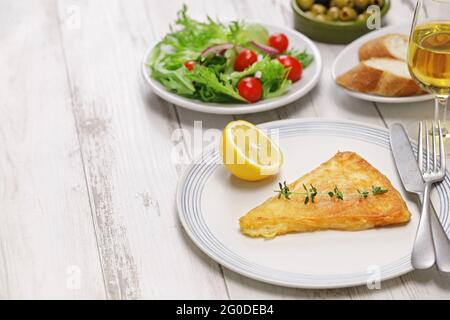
point(336, 193)
point(311, 192)
point(378, 190)
point(284, 191)
point(363, 193)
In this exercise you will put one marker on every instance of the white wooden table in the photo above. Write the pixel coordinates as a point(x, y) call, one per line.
point(87, 188)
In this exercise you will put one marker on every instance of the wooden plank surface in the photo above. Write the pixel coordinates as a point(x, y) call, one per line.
point(47, 242)
point(125, 142)
point(87, 177)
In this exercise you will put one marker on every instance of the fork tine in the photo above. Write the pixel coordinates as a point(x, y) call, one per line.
point(441, 147)
point(433, 130)
point(420, 147)
point(427, 146)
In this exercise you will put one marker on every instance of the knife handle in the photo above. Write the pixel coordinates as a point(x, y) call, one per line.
point(440, 239)
point(441, 244)
point(423, 256)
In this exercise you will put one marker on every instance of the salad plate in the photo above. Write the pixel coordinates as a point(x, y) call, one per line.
point(348, 58)
point(210, 202)
point(296, 90)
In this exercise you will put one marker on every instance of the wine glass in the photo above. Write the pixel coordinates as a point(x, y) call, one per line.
point(429, 54)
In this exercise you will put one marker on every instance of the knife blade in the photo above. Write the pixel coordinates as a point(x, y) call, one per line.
point(406, 163)
point(412, 180)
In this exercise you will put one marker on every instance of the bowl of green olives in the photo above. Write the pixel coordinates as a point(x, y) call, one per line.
point(336, 21)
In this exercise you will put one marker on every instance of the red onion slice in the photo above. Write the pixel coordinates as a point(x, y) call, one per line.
point(216, 48)
point(220, 49)
point(266, 49)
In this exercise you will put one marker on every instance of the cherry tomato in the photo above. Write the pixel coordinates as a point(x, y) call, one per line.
point(250, 89)
point(296, 67)
point(189, 65)
point(279, 41)
point(245, 59)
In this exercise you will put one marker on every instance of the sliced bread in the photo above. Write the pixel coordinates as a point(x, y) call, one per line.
point(381, 76)
point(388, 46)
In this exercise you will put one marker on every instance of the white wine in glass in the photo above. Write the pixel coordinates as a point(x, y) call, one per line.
point(429, 53)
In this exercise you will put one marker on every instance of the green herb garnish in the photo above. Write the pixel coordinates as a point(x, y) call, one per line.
point(311, 193)
point(378, 190)
point(363, 193)
point(307, 194)
point(284, 191)
point(338, 193)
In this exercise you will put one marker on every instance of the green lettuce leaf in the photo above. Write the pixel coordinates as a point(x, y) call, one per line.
point(304, 57)
point(242, 34)
point(212, 85)
point(272, 73)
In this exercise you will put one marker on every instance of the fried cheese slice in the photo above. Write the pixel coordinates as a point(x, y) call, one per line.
point(354, 177)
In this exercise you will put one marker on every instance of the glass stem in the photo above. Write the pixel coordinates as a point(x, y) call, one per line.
point(440, 112)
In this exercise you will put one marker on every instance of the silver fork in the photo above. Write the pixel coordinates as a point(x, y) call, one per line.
point(433, 171)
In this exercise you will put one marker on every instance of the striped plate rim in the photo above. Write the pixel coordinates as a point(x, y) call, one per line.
point(190, 191)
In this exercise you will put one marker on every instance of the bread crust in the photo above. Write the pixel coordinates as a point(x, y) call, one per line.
point(364, 78)
point(377, 48)
point(348, 171)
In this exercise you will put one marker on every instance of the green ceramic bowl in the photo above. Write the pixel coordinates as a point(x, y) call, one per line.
point(331, 32)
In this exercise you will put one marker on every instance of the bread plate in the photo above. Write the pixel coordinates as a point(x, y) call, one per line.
point(210, 202)
point(348, 59)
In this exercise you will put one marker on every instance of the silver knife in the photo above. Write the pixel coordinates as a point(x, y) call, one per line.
point(411, 177)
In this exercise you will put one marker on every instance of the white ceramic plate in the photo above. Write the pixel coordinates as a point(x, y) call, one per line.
point(348, 58)
point(210, 203)
point(309, 79)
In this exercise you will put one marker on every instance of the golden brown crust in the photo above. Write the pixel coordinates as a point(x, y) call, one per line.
point(377, 48)
point(364, 78)
point(348, 171)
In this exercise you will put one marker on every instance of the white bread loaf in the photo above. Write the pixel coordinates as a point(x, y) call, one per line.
point(380, 76)
point(388, 46)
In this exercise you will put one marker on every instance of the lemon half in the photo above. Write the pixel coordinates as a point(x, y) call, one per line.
point(248, 153)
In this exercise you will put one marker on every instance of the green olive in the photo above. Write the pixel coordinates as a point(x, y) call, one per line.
point(321, 17)
point(310, 14)
point(319, 9)
point(379, 3)
point(366, 14)
point(361, 4)
point(305, 4)
point(327, 18)
point(362, 17)
point(344, 3)
point(333, 13)
point(348, 14)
